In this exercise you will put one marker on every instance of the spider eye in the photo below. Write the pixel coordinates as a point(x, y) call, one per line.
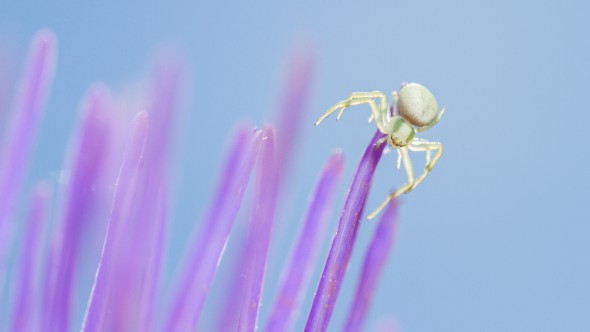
point(397, 141)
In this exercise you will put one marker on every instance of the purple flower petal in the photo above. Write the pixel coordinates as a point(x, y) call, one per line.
point(138, 262)
point(297, 271)
point(127, 285)
point(139, 259)
point(291, 115)
point(325, 297)
point(165, 88)
point(156, 249)
point(89, 150)
point(374, 262)
point(26, 300)
point(292, 107)
point(21, 132)
point(203, 258)
point(259, 231)
point(147, 248)
point(95, 317)
point(228, 313)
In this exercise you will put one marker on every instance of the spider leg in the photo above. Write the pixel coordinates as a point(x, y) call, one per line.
point(435, 121)
point(426, 146)
point(372, 94)
point(379, 142)
point(358, 98)
point(403, 189)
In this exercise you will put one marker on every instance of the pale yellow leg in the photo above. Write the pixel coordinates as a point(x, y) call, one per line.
point(403, 189)
point(423, 145)
point(379, 142)
point(358, 98)
point(435, 121)
point(373, 94)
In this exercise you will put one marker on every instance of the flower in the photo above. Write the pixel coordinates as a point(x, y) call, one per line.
point(116, 195)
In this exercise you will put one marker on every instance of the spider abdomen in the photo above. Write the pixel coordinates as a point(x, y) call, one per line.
point(417, 104)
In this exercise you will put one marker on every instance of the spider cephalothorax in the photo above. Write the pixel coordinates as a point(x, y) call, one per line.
point(414, 109)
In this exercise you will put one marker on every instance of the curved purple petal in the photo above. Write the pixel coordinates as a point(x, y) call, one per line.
point(141, 253)
point(89, 150)
point(297, 271)
point(292, 107)
point(203, 258)
point(96, 311)
point(374, 262)
point(290, 114)
point(165, 88)
point(325, 297)
point(259, 231)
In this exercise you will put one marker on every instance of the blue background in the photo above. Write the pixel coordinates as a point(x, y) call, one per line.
point(495, 239)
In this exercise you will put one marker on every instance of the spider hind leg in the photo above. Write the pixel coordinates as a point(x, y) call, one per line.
point(403, 189)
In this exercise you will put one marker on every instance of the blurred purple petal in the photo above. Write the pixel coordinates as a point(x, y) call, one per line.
point(24, 313)
point(156, 251)
point(21, 132)
point(298, 269)
point(373, 264)
point(88, 151)
point(136, 267)
point(291, 115)
point(96, 311)
point(165, 89)
point(136, 287)
point(203, 258)
point(229, 309)
point(146, 250)
point(139, 256)
point(127, 290)
point(325, 297)
point(259, 231)
point(292, 110)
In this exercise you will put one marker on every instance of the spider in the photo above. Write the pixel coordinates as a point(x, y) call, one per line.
point(414, 110)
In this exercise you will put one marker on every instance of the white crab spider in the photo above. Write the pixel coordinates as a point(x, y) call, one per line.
point(414, 110)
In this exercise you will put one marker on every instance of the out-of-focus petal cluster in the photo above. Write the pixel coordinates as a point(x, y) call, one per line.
point(21, 133)
point(114, 192)
point(297, 272)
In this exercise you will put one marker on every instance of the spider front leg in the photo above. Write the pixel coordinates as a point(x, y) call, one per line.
point(373, 94)
point(423, 145)
point(357, 98)
point(379, 142)
point(403, 189)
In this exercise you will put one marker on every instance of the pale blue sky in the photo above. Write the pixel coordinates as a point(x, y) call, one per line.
point(495, 239)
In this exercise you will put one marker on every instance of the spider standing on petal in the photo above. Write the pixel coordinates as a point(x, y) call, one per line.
point(414, 110)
